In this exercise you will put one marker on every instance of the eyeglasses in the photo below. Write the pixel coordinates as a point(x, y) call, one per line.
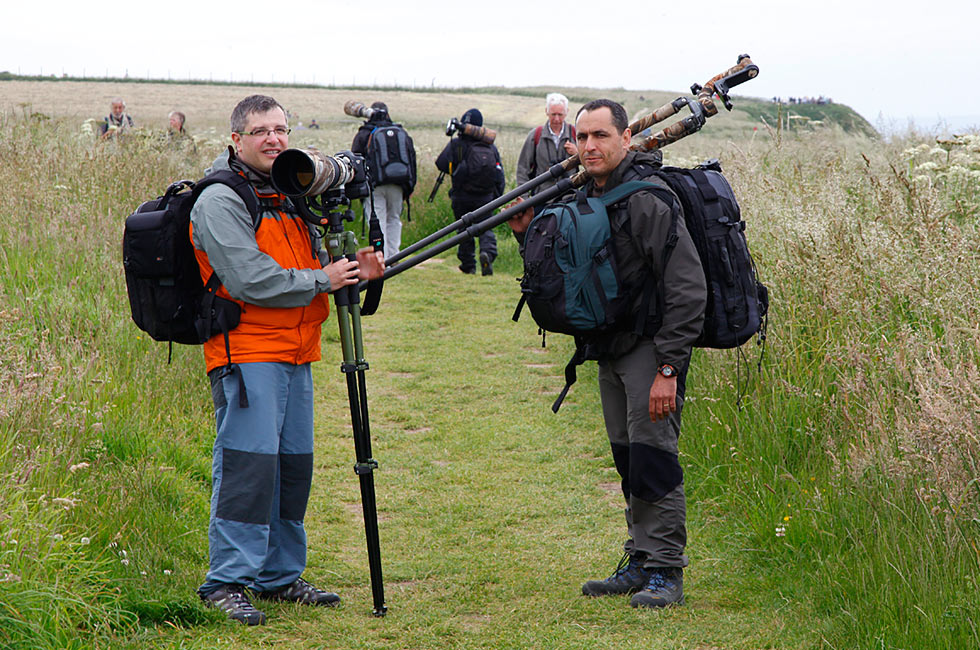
point(279, 131)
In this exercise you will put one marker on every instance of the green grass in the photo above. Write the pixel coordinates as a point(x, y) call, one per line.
point(857, 438)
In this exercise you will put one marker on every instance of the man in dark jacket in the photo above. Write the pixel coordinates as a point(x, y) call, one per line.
point(642, 376)
point(478, 178)
point(548, 144)
point(388, 198)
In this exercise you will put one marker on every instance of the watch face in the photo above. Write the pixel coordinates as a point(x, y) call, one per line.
point(667, 371)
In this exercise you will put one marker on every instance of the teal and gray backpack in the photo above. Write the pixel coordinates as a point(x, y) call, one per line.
point(571, 282)
point(571, 277)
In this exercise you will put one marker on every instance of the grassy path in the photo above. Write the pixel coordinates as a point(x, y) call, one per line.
point(493, 510)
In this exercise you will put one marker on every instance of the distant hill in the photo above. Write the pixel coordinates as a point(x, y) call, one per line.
point(747, 110)
point(844, 116)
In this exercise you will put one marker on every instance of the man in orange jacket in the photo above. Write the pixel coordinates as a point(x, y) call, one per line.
point(262, 467)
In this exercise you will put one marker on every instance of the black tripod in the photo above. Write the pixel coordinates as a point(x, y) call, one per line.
point(343, 243)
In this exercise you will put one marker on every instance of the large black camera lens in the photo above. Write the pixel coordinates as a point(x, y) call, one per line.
point(308, 172)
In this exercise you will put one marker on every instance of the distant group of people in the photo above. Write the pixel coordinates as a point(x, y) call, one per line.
point(478, 175)
point(803, 100)
point(118, 122)
point(476, 171)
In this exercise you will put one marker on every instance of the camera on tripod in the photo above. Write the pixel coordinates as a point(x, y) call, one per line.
point(470, 130)
point(309, 172)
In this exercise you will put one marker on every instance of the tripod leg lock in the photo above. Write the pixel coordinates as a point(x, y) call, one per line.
point(367, 467)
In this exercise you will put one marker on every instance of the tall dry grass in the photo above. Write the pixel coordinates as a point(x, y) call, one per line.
point(847, 485)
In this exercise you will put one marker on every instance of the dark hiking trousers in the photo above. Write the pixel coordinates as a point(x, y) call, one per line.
point(645, 454)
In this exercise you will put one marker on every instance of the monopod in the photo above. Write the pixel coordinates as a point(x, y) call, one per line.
point(479, 221)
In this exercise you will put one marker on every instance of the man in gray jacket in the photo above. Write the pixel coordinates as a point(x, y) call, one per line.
point(548, 144)
point(261, 381)
point(642, 376)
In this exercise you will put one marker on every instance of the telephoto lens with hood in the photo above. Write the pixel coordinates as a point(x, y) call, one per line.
point(357, 109)
point(308, 172)
point(471, 131)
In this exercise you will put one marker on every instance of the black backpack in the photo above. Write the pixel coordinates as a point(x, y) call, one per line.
point(167, 299)
point(391, 157)
point(477, 171)
point(738, 303)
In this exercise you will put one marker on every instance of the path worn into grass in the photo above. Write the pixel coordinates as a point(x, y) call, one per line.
point(493, 510)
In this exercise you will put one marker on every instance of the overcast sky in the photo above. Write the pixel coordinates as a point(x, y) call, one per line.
point(892, 61)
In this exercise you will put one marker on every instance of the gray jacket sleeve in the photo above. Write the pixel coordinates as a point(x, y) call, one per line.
point(684, 287)
point(223, 229)
point(525, 160)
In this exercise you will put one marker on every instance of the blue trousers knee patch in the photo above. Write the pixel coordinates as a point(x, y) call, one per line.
point(247, 486)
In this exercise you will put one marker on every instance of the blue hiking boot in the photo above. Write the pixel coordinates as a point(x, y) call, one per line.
point(664, 588)
point(629, 577)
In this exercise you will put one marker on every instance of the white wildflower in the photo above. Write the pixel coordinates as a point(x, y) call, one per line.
point(125, 561)
point(85, 541)
point(927, 167)
point(780, 531)
point(78, 466)
point(167, 572)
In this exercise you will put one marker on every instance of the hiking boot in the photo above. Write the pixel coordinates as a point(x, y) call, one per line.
point(232, 600)
point(300, 591)
point(486, 266)
point(665, 587)
point(630, 577)
point(467, 270)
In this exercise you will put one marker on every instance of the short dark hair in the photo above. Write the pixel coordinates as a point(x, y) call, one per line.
point(249, 105)
point(619, 119)
point(381, 106)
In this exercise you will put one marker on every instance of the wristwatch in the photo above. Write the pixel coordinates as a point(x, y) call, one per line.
point(667, 371)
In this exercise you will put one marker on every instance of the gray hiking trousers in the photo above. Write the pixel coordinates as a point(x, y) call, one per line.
point(645, 454)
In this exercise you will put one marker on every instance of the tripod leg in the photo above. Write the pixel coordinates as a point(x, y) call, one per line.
point(354, 367)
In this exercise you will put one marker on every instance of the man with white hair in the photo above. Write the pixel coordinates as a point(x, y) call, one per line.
point(548, 144)
point(117, 121)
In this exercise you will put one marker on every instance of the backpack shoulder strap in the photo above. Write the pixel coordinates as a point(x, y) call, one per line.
point(239, 184)
point(534, 152)
point(627, 189)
